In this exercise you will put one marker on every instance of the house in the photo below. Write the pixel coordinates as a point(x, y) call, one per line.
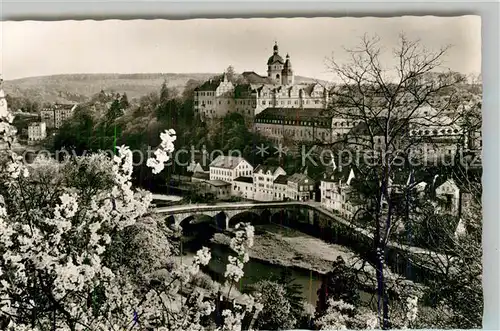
point(218, 188)
point(435, 137)
point(427, 136)
point(243, 187)
point(280, 187)
point(200, 177)
point(214, 98)
point(305, 124)
point(300, 187)
point(55, 115)
point(448, 195)
point(37, 131)
point(198, 163)
point(404, 181)
point(263, 179)
point(228, 168)
point(197, 167)
point(335, 190)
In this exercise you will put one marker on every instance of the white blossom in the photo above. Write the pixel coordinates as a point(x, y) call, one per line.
point(162, 153)
point(411, 308)
point(67, 238)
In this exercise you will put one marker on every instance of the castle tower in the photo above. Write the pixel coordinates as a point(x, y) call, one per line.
point(287, 73)
point(275, 65)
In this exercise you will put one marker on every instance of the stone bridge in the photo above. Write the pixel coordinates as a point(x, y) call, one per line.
point(224, 213)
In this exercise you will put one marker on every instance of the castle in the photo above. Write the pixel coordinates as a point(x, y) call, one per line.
point(217, 97)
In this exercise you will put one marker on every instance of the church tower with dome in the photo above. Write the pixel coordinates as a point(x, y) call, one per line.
point(279, 71)
point(275, 66)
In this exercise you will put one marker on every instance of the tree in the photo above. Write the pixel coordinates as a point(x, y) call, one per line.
point(164, 93)
point(231, 75)
point(338, 284)
point(455, 291)
point(79, 134)
point(115, 111)
point(383, 103)
point(277, 311)
point(63, 230)
point(294, 297)
point(124, 104)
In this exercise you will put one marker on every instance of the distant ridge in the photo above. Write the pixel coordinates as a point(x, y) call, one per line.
point(80, 87)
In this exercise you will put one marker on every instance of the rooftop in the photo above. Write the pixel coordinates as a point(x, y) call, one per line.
point(201, 175)
point(266, 168)
point(275, 58)
point(254, 78)
point(299, 114)
point(281, 179)
point(244, 179)
point(300, 179)
point(210, 85)
point(226, 162)
point(339, 174)
point(218, 183)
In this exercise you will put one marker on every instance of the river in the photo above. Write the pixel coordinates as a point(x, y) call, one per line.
point(256, 270)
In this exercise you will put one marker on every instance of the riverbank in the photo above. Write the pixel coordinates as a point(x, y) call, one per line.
point(288, 247)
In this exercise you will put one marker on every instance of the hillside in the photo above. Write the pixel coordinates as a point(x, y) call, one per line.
point(79, 87)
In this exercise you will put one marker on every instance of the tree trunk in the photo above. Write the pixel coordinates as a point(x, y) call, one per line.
point(379, 243)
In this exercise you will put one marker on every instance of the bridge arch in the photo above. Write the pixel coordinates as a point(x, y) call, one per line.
point(220, 221)
point(243, 216)
point(282, 216)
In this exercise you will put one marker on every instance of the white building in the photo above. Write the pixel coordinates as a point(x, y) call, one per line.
point(335, 188)
point(37, 131)
point(243, 188)
point(228, 168)
point(55, 115)
point(263, 180)
point(300, 187)
point(280, 187)
point(217, 97)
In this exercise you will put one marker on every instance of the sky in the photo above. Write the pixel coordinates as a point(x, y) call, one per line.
point(30, 48)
